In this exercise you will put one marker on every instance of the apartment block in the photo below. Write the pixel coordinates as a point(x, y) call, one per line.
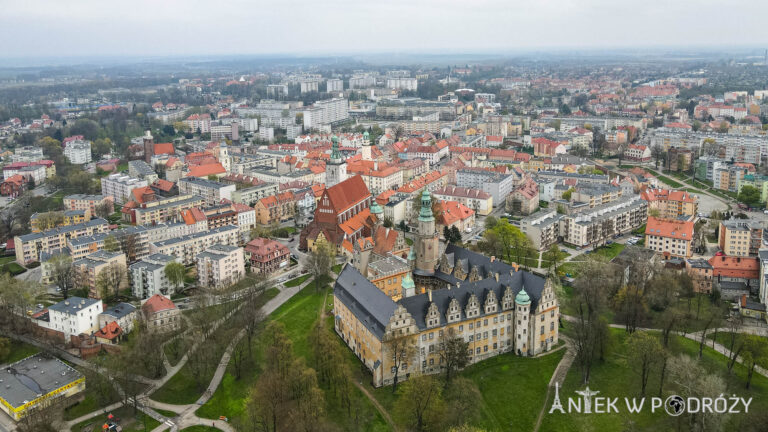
point(29, 246)
point(165, 209)
point(599, 224)
point(542, 228)
point(740, 237)
point(148, 276)
point(249, 196)
point(669, 237)
point(186, 248)
point(87, 202)
point(88, 269)
point(119, 186)
point(220, 266)
point(212, 192)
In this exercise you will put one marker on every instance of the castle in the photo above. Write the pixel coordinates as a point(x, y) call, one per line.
point(494, 306)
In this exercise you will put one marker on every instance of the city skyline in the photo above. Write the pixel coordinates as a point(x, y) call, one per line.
point(174, 28)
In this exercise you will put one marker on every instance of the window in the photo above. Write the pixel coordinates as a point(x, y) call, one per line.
point(471, 326)
point(485, 322)
point(431, 361)
point(485, 348)
point(461, 328)
point(431, 335)
point(477, 351)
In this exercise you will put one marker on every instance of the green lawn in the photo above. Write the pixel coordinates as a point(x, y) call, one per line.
point(19, 350)
point(298, 314)
point(170, 414)
point(297, 281)
point(609, 251)
point(337, 268)
point(176, 349)
point(129, 421)
point(615, 377)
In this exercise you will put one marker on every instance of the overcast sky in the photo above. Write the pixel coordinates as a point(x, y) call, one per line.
point(33, 28)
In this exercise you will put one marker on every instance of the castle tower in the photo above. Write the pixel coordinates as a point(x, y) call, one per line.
point(336, 168)
point(366, 146)
point(427, 242)
point(377, 211)
point(149, 146)
point(522, 311)
point(362, 256)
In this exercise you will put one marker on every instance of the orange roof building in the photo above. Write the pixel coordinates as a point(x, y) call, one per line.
point(209, 169)
point(669, 237)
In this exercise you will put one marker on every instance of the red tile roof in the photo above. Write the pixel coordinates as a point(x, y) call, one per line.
point(164, 185)
point(682, 230)
point(164, 148)
point(736, 267)
point(206, 170)
point(157, 303)
point(110, 331)
point(348, 193)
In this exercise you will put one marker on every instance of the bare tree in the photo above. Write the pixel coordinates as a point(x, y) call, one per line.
point(64, 275)
point(111, 279)
point(401, 349)
point(319, 262)
point(104, 210)
point(453, 352)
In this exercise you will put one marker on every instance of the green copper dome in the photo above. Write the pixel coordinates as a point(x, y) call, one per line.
point(376, 208)
point(335, 139)
point(522, 298)
point(366, 134)
point(408, 282)
point(425, 215)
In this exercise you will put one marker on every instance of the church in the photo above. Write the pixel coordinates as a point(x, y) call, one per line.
point(494, 306)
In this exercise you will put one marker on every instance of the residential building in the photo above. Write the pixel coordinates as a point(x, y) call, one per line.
point(671, 204)
point(249, 196)
point(325, 112)
point(142, 170)
point(27, 154)
point(524, 199)
point(493, 306)
point(637, 153)
point(599, 224)
point(679, 159)
point(267, 256)
point(391, 275)
point(496, 184)
point(476, 199)
point(13, 186)
point(735, 276)
point(670, 237)
point(88, 269)
point(220, 266)
point(334, 85)
point(212, 192)
point(148, 276)
point(74, 316)
point(87, 202)
point(30, 246)
point(187, 247)
point(161, 315)
point(700, 271)
point(165, 209)
point(740, 237)
point(38, 221)
point(454, 214)
point(542, 228)
point(276, 208)
point(124, 314)
point(119, 186)
point(78, 152)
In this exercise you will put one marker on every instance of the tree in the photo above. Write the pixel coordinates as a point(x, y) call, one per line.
point(319, 261)
point(490, 222)
point(749, 195)
point(5, 348)
point(452, 234)
point(175, 272)
point(567, 194)
point(453, 352)
point(657, 153)
point(401, 349)
point(420, 403)
point(388, 222)
point(644, 350)
point(48, 220)
point(754, 353)
point(693, 380)
point(63, 273)
point(110, 280)
point(111, 244)
point(553, 256)
point(104, 209)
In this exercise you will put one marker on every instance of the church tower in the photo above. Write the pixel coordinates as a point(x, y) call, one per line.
point(377, 211)
point(427, 250)
point(224, 159)
point(366, 146)
point(336, 168)
point(522, 312)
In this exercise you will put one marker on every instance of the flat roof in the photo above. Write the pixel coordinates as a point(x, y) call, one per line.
point(33, 377)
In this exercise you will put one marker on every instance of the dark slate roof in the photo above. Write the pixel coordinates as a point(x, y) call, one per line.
point(419, 304)
point(370, 305)
point(120, 310)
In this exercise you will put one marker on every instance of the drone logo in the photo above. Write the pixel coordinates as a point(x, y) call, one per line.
point(674, 405)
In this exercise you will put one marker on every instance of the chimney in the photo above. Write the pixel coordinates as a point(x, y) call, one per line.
point(493, 258)
point(497, 276)
point(429, 293)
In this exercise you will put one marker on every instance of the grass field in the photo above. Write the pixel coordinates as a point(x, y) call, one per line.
point(616, 377)
point(297, 281)
point(19, 350)
point(298, 315)
point(337, 268)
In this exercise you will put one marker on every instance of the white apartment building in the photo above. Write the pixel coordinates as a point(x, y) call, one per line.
point(148, 276)
point(476, 199)
point(78, 152)
point(362, 81)
point(310, 86)
point(379, 181)
point(74, 316)
point(119, 186)
point(267, 133)
point(27, 154)
point(542, 228)
point(496, 184)
point(212, 192)
point(29, 246)
point(326, 112)
point(186, 248)
point(220, 266)
point(249, 196)
point(36, 173)
point(334, 85)
point(601, 223)
point(402, 83)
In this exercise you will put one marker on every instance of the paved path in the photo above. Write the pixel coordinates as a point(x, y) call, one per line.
point(558, 376)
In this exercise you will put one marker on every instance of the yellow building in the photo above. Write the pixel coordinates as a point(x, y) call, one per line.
point(36, 382)
point(740, 238)
point(489, 304)
point(42, 221)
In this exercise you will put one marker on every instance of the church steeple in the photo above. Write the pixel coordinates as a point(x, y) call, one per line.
point(336, 157)
point(336, 168)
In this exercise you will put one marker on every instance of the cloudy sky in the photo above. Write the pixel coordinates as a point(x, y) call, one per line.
point(33, 28)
